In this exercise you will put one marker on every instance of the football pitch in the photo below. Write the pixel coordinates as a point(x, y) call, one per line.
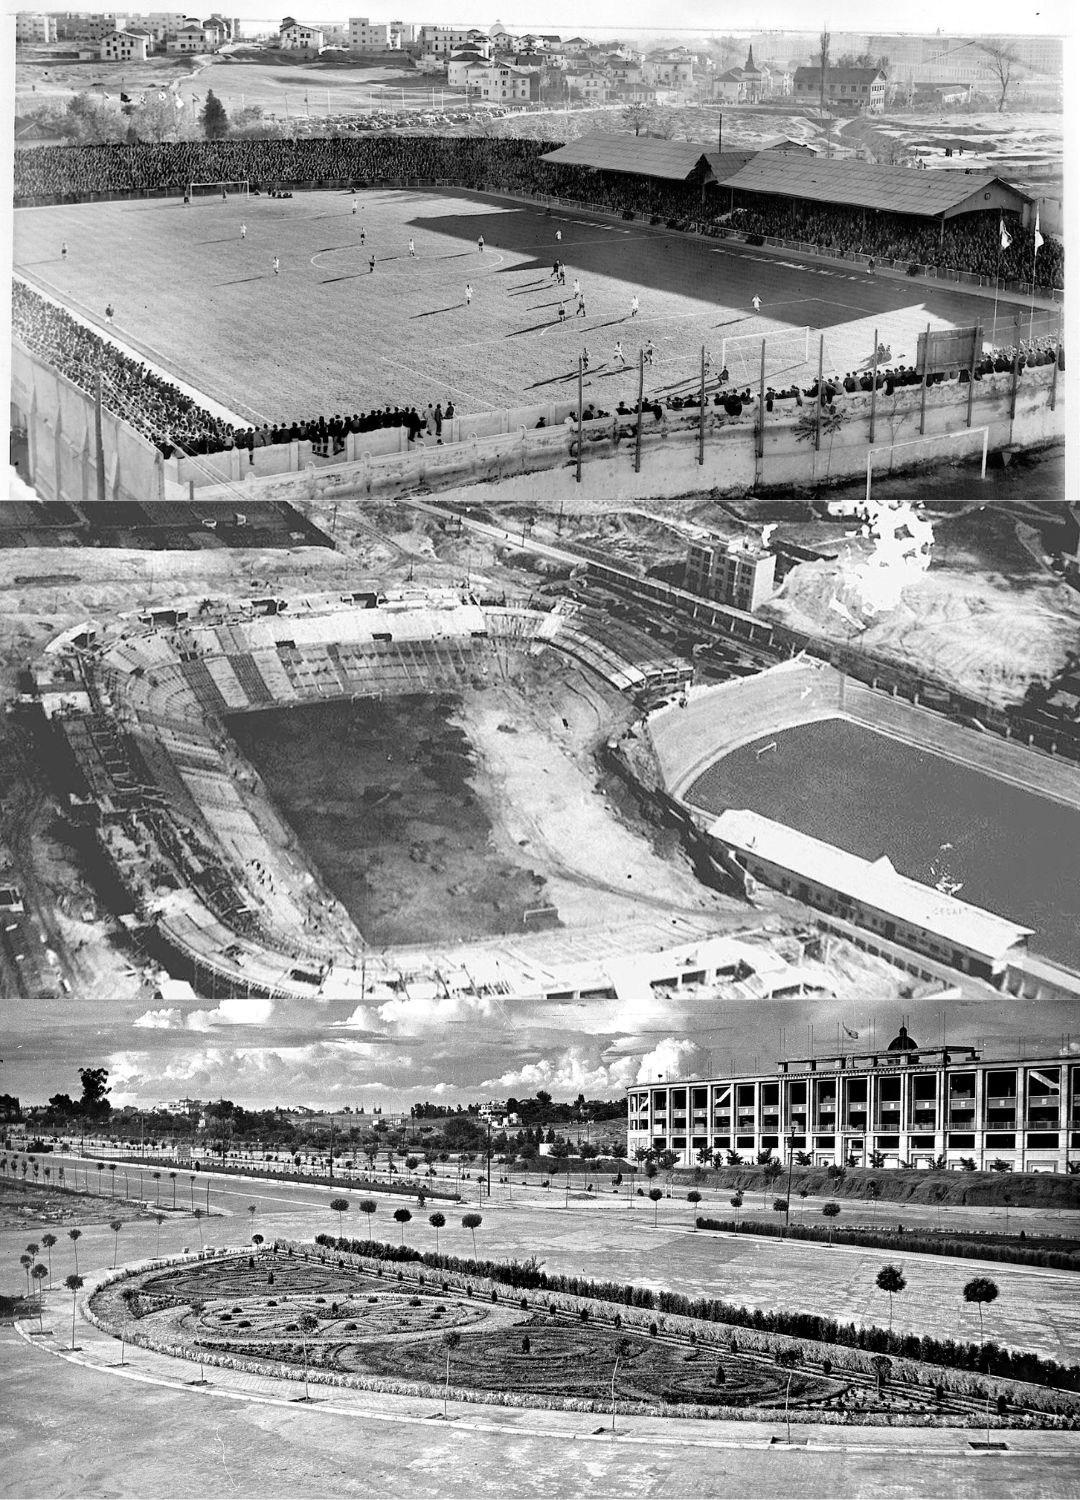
point(326, 333)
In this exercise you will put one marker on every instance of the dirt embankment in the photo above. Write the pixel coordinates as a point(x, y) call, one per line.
point(973, 1189)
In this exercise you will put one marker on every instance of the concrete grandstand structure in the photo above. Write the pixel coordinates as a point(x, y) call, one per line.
point(216, 878)
point(902, 1105)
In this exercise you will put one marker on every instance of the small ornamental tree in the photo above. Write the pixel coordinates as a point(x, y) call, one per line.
point(980, 1290)
point(367, 1206)
point(115, 1225)
point(891, 1280)
point(472, 1222)
point(437, 1221)
point(693, 1197)
point(340, 1206)
point(307, 1323)
point(736, 1201)
point(451, 1339)
point(75, 1235)
point(73, 1283)
point(655, 1194)
point(831, 1211)
point(402, 1216)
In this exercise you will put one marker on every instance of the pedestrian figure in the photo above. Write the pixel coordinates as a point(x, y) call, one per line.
point(870, 265)
point(585, 357)
point(412, 248)
point(354, 205)
point(224, 195)
point(580, 313)
point(371, 264)
point(63, 249)
point(756, 303)
point(577, 286)
point(108, 312)
point(562, 311)
point(633, 307)
point(708, 363)
point(554, 272)
point(468, 294)
point(480, 244)
point(618, 357)
point(562, 274)
point(648, 351)
point(558, 235)
point(277, 266)
point(243, 231)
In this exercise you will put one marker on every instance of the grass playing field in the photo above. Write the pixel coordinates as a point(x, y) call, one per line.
point(327, 335)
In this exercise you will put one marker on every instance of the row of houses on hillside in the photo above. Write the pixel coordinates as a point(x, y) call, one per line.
point(126, 37)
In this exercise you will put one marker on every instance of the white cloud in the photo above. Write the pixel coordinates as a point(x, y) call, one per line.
point(238, 1012)
point(168, 1019)
point(425, 1014)
point(671, 1058)
point(568, 1071)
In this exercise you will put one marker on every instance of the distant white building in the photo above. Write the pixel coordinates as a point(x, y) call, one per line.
point(500, 83)
point(298, 38)
point(190, 39)
point(368, 36)
point(739, 572)
point(124, 46)
point(34, 26)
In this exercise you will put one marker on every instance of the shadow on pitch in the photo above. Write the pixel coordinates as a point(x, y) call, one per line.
point(241, 280)
point(436, 312)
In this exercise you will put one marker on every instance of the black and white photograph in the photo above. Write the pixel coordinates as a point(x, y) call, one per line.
point(540, 754)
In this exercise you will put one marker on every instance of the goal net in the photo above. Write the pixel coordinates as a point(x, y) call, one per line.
point(219, 190)
point(787, 350)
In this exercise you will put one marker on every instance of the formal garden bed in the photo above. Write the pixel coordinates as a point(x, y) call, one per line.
point(368, 1321)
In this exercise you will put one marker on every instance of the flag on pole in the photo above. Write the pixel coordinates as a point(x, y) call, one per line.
point(854, 1035)
point(1006, 237)
point(1038, 236)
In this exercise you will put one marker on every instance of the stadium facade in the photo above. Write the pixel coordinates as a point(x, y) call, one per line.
point(905, 1106)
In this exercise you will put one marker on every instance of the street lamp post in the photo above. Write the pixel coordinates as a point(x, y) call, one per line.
point(790, 1167)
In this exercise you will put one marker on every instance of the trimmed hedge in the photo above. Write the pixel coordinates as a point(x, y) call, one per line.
point(913, 1243)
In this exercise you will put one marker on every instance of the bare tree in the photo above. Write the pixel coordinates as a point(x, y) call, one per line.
point(1003, 64)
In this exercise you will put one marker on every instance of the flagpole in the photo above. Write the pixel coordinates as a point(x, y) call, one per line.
point(997, 283)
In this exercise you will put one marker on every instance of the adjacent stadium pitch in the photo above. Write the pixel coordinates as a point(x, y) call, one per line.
point(327, 334)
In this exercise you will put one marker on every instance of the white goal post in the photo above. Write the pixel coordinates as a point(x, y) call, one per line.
point(934, 437)
point(220, 189)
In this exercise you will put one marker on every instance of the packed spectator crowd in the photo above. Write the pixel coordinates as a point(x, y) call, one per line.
point(169, 417)
point(971, 242)
point(155, 407)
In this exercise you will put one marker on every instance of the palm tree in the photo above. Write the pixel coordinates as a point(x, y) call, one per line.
point(26, 1262)
point(451, 1339)
point(890, 1279)
point(157, 1187)
point(338, 1206)
point(191, 1190)
point(47, 1242)
point(253, 1209)
point(75, 1235)
point(100, 1169)
point(472, 1222)
point(367, 1206)
point(159, 1219)
point(436, 1220)
point(402, 1215)
point(979, 1290)
point(308, 1323)
point(32, 1249)
point(112, 1179)
point(655, 1194)
point(73, 1283)
point(197, 1216)
point(172, 1175)
point(115, 1225)
point(39, 1274)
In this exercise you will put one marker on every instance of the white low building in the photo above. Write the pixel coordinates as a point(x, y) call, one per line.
point(124, 46)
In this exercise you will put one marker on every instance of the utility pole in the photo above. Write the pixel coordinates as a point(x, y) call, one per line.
point(100, 458)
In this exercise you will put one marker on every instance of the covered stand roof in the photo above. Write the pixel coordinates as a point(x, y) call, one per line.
point(641, 156)
point(898, 190)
